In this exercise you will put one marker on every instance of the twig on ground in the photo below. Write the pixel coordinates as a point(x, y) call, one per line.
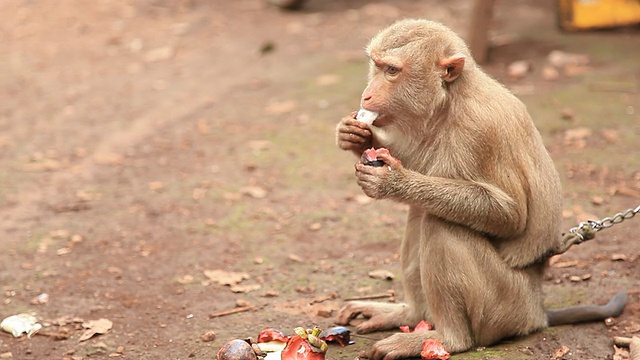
point(324, 298)
point(232, 311)
point(388, 294)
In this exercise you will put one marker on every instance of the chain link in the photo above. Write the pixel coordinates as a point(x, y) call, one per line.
point(606, 222)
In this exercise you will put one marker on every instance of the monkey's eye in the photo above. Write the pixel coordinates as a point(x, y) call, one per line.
point(391, 70)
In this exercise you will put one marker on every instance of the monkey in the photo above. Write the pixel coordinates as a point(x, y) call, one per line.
point(484, 197)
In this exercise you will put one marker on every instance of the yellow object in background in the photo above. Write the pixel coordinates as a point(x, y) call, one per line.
point(590, 14)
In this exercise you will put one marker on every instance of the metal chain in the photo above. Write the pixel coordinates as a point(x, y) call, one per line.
point(595, 225)
point(616, 219)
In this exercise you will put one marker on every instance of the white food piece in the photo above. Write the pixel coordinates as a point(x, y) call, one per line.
point(366, 116)
point(272, 346)
point(21, 323)
point(274, 356)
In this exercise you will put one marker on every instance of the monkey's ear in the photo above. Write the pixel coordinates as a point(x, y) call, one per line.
point(452, 67)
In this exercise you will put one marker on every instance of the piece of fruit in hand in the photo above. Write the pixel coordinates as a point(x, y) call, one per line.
point(370, 156)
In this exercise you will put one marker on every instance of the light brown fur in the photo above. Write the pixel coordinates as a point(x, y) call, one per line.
point(485, 198)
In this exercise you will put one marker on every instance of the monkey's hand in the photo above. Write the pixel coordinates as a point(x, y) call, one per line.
point(376, 182)
point(380, 316)
point(353, 135)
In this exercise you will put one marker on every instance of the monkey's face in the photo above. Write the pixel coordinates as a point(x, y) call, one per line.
point(412, 67)
point(384, 75)
point(402, 88)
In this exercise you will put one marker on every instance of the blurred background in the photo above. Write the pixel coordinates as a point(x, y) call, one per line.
point(163, 163)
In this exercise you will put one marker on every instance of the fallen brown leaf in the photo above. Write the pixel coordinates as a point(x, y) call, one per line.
point(95, 327)
point(255, 192)
point(560, 353)
point(245, 288)
point(226, 277)
point(381, 274)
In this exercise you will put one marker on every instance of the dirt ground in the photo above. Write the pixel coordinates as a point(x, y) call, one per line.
point(144, 144)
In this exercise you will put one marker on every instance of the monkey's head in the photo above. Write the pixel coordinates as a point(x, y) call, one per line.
point(415, 64)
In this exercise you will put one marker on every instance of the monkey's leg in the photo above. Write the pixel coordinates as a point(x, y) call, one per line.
point(384, 316)
point(475, 298)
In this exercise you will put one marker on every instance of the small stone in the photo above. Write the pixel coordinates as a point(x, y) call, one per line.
point(618, 257)
point(610, 321)
point(518, 69)
point(208, 336)
point(550, 73)
point(270, 294)
point(315, 226)
point(568, 114)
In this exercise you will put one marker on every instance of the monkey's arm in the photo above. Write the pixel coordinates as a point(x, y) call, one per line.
point(481, 206)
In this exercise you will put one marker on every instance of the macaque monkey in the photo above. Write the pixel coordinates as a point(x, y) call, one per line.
point(485, 198)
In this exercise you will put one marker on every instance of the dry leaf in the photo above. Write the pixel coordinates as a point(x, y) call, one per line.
point(572, 136)
point(95, 327)
point(295, 258)
point(550, 73)
point(381, 274)
point(565, 264)
point(159, 54)
point(363, 199)
point(107, 159)
point(315, 226)
point(245, 288)
point(255, 192)
point(259, 145)
point(618, 257)
point(270, 294)
point(518, 69)
point(560, 353)
point(633, 328)
point(186, 279)
point(610, 135)
point(225, 277)
point(203, 127)
point(561, 59)
point(156, 186)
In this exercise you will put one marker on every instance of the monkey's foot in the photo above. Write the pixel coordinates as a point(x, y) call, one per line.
point(399, 346)
point(380, 316)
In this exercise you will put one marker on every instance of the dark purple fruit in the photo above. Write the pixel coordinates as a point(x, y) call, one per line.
point(236, 350)
point(337, 333)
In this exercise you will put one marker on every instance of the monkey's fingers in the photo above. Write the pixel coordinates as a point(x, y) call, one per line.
point(351, 311)
point(392, 162)
point(399, 346)
point(351, 126)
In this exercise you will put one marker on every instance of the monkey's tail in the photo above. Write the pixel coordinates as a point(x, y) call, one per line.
point(584, 313)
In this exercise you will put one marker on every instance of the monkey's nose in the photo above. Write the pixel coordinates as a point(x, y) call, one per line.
point(367, 98)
